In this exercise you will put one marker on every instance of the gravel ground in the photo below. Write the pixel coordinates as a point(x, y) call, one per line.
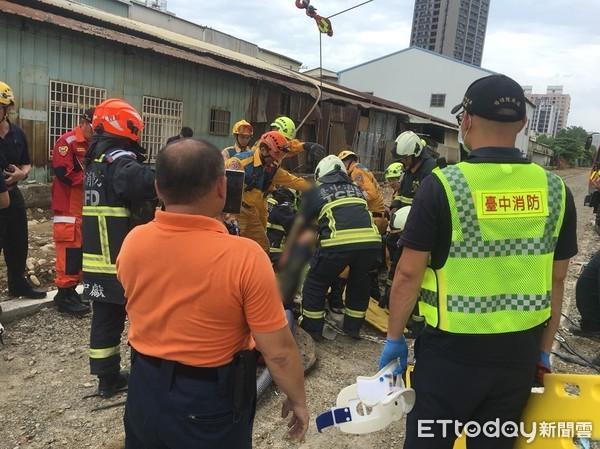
point(44, 372)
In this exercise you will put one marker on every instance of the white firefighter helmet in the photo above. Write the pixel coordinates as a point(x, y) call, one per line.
point(399, 217)
point(409, 144)
point(371, 404)
point(328, 165)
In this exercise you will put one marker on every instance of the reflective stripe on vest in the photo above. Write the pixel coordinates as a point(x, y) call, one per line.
point(101, 263)
point(498, 275)
point(347, 236)
point(404, 199)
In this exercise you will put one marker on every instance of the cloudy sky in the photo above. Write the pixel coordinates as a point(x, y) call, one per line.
point(537, 42)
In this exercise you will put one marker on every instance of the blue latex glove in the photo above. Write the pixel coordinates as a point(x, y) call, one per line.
point(545, 359)
point(395, 349)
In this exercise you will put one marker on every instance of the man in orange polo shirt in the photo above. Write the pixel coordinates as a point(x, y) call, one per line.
point(198, 299)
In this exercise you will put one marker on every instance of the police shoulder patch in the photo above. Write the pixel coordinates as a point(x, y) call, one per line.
point(63, 150)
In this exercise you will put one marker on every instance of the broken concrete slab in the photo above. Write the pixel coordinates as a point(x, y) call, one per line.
point(37, 195)
point(14, 309)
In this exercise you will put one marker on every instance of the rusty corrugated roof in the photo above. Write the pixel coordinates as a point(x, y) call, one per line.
point(99, 23)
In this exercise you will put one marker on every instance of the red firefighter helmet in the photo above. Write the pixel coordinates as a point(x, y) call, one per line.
point(117, 117)
point(276, 143)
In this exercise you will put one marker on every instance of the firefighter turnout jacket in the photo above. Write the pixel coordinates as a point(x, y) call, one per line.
point(281, 219)
point(116, 182)
point(342, 215)
point(364, 178)
point(411, 181)
point(67, 162)
point(505, 220)
point(231, 151)
point(67, 202)
point(258, 182)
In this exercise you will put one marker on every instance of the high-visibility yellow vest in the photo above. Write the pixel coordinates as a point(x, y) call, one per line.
point(498, 276)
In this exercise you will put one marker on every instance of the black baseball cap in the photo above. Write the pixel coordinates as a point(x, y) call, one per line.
point(88, 114)
point(495, 97)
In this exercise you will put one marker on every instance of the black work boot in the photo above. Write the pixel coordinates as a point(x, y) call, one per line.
point(22, 288)
point(314, 334)
point(334, 297)
point(112, 384)
point(353, 333)
point(83, 300)
point(583, 331)
point(67, 303)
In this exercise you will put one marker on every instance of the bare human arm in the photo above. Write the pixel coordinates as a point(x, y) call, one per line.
point(405, 290)
point(283, 361)
point(559, 274)
point(16, 173)
point(4, 200)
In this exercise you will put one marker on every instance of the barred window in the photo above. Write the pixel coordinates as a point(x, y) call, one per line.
point(219, 122)
point(67, 101)
point(162, 119)
point(438, 100)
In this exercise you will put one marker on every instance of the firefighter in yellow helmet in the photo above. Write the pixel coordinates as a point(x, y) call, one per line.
point(263, 173)
point(242, 131)
point(364, 178)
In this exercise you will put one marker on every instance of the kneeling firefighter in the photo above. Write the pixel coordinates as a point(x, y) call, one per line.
point(117, 185)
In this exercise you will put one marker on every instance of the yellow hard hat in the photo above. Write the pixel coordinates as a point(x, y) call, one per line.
point(345, 154)
point(394, 170)
point(243, 128)
point(7, 98)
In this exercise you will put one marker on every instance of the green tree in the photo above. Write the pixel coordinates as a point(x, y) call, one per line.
point(545, 139)
point(569, 145)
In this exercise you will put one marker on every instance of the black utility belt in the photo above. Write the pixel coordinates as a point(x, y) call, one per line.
point(239, 376)
point(194, 372)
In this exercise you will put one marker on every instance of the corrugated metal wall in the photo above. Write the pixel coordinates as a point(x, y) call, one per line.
point(32, 54)
point(374, 144)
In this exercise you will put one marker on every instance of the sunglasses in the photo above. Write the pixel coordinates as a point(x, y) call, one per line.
point(459, 117)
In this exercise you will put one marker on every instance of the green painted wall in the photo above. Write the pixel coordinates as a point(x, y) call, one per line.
point(32, 54)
